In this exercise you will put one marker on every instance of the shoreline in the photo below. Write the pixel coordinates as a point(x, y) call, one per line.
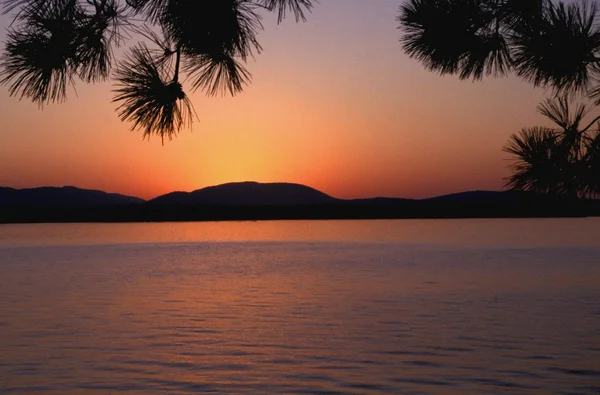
point(411, 210)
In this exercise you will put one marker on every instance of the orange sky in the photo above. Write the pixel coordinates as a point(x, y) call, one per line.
point(334, 104)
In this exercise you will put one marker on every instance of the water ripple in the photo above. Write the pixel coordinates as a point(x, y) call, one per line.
point(298, 318)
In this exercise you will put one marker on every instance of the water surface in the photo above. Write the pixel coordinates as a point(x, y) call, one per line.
point(301, 307)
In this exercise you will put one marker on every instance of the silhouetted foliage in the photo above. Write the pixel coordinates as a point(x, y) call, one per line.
point(51, 43)
point(562, 160)
point(148, 99)
point(547, 43)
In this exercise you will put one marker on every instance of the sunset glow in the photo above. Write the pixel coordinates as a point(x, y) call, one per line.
point(334, 104)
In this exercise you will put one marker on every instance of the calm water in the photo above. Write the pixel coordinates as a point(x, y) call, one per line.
point(331, 307)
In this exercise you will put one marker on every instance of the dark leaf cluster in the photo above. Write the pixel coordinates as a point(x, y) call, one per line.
point(548, 43)
point(149, 99)
point(563, 160)
point(52, 43)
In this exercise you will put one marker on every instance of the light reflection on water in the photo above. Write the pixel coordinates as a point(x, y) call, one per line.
point(466, 232)
point(138, 311)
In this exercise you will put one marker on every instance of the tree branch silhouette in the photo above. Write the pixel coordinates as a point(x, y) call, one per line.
point(547, 43)
point(564, 160)
point(52, 43)
point(553, 44)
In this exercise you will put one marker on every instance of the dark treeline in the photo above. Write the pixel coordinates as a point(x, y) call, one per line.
point(531, 207)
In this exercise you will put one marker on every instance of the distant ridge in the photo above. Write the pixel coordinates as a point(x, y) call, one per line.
point(67, 196)
point(248, 193)
point(273, 201)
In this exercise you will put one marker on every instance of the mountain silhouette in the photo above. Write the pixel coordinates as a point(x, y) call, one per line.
point(248, 194)
point(272, 201)
point(62, 196)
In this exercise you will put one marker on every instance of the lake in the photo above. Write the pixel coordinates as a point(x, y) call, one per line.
point(488, 306)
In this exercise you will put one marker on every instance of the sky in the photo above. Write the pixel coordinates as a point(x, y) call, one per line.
point(334, 103)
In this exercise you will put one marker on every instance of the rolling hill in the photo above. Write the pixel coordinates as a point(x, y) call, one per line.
point(62, 196)
point(258, 201)
point(248, 194)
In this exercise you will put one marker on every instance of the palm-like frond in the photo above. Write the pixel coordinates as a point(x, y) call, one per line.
point(534, 168)
point(559, 51)
point(45, 16)
point(39, 56)
point(28, 7)
point(167, 47)
point(488, 54)
point(95, 57)
point(215, 37)
point(51, 42)
point(149, 101)
point(36, 66)
point(516, 14)
point(217, 73)
point(11, 5)
point(56, 40)
point(455, 36)
point(558, 111)
point(213, 26)
point(594, 92)
point(297, 7)
point(110, 17)
point(570, 137)
point(548, 43)
point(437, 32)
point(152, 9)
point(559, 160)
point(591, 185)
point(98, 30)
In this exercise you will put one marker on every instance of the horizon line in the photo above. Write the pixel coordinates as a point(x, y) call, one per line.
point(254, 182)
